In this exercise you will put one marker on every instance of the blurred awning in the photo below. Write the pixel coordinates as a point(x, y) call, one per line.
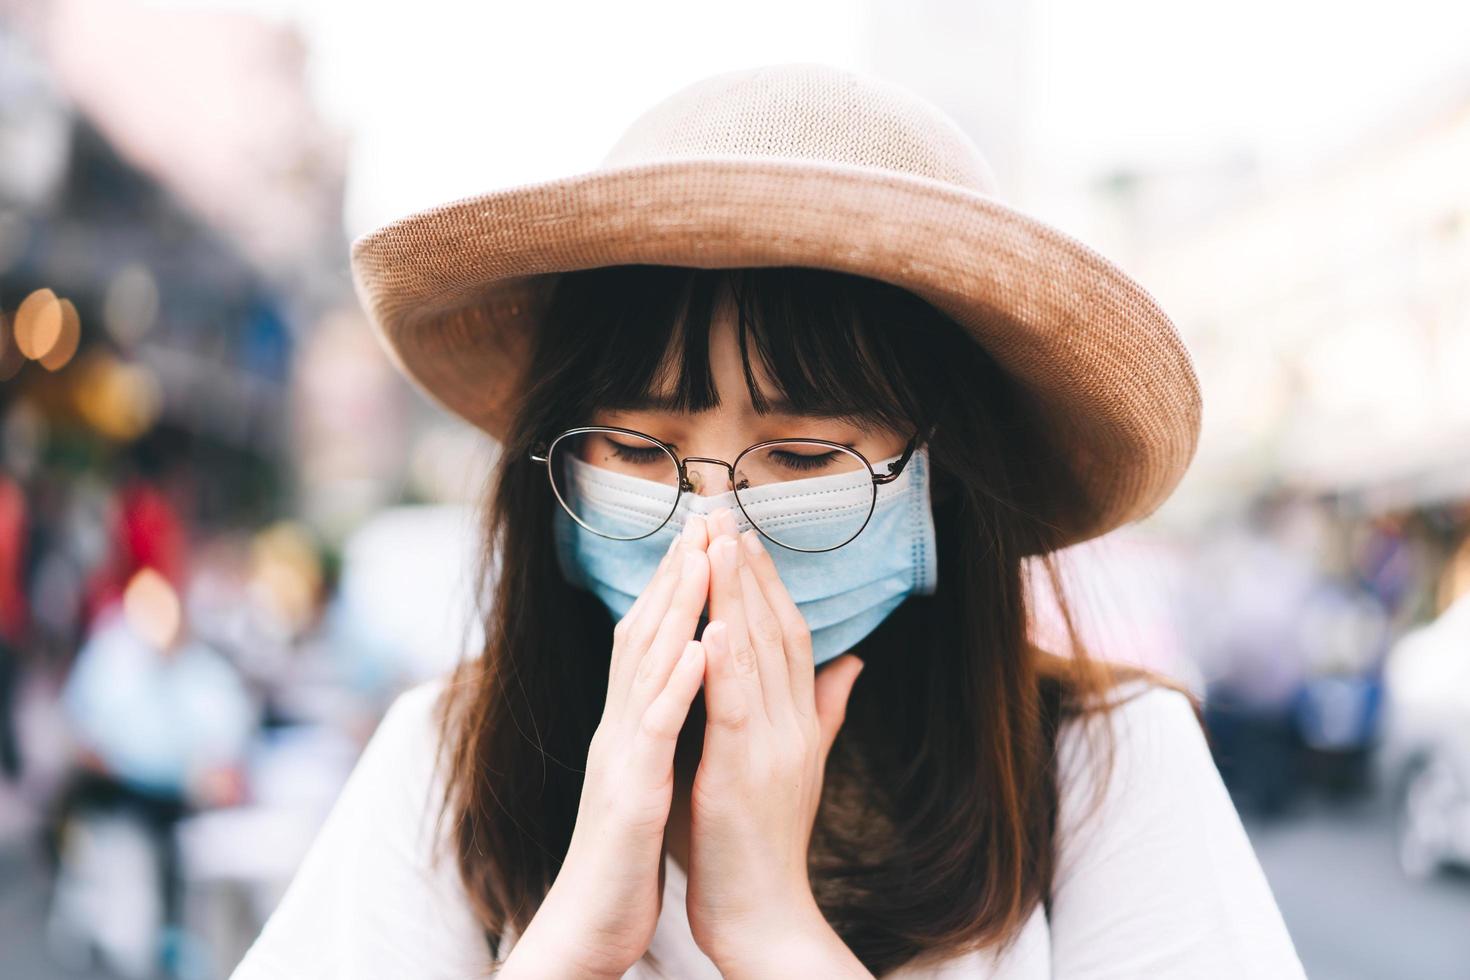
point(1429, 469)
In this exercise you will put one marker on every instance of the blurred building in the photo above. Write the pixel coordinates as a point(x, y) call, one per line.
point(1330, 317)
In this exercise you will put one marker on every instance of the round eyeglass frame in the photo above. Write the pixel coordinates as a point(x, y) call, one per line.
point(542, 454)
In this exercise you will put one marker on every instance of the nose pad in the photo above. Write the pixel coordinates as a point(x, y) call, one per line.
point(706, 479)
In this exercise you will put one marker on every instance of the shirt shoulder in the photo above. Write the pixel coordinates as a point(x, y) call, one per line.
point(378, 894)
point(1155, 875)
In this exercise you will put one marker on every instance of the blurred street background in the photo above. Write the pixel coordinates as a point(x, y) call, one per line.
point(230, 534)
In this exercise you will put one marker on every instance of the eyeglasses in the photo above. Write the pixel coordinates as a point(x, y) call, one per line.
point(624, 484)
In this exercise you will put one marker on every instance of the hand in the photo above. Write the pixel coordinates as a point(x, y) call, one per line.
point(600, 914)
point(771, 725)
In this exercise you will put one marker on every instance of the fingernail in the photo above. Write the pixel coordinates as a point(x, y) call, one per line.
point(726, 552)
point(689, 529)
point(752, 541)
point(674, 544)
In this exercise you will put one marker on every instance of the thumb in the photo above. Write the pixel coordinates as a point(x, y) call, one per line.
point(830, 692)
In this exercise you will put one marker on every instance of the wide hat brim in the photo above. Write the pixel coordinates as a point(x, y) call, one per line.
point(455, 293)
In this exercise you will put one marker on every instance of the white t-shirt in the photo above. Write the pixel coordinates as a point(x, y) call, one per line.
point(1160, 882)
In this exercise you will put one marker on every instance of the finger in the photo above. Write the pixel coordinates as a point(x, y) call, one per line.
point(662, 720)
point(693, 534)
point(833, 687)
point(698, 530)
point(676, 630)
point(770, 652)
point(726, 603)
point(663, 565)
point(722, 521)
point(727, 707)
point(624, 625)
point(796, 636)
point(633, 638)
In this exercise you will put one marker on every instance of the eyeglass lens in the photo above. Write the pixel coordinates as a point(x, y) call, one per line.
point(804, 495)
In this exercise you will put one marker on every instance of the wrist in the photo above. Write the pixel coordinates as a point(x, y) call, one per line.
point(795, 954)
point(798, 942)
point(531, 958)
point(554, 947)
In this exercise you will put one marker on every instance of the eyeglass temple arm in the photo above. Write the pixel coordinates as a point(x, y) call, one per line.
point(896, 467)
point(539, 451)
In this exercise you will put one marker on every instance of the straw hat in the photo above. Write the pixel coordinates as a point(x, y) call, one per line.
point(802, 164)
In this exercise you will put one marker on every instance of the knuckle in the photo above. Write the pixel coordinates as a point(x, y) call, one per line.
point(733, 720)
point(620, 630)
point(743, 655)
point(637, 638)
point(767, 632)
point(643, 676)
point(597, 749)
point(653, 727)
point(798, 630)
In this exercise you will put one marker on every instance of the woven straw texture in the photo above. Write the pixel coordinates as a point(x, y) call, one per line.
point(802, 164)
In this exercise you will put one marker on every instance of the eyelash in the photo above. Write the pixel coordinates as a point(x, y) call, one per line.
point(637, 454)
point(800, 461)
point(794, 461)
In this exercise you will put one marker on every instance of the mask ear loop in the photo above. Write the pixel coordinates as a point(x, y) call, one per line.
point(942, 484)
point(896, 468)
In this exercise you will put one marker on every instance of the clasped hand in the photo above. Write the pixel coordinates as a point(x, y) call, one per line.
point(771, 723)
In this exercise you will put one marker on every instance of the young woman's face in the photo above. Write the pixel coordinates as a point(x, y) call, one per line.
point(723, 431)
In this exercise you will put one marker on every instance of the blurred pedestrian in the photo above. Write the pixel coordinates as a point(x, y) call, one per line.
point(161, 723)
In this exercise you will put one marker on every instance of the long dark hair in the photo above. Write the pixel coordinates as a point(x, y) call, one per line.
point(936, 830)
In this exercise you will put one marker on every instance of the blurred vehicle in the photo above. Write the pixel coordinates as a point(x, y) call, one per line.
point(1424, 757)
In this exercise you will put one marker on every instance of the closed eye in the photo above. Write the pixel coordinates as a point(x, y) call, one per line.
point(802, 461)
point(637, 454)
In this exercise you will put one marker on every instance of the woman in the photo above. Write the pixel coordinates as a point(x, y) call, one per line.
point(784, 394)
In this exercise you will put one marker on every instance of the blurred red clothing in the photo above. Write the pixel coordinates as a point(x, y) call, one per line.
point(147, 532)
point(14, 612)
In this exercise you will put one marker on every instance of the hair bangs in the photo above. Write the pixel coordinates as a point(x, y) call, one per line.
point(812, 342)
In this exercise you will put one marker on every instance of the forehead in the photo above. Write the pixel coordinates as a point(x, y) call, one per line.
point(726, 363)
point(727, 366)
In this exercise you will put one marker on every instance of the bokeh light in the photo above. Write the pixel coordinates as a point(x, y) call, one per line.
point(131, 305)
point(286, 573)
point(120, 400)
point(38, 323)
point(67, 339)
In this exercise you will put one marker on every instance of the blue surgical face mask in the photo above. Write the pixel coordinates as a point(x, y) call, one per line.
point(843, 594)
